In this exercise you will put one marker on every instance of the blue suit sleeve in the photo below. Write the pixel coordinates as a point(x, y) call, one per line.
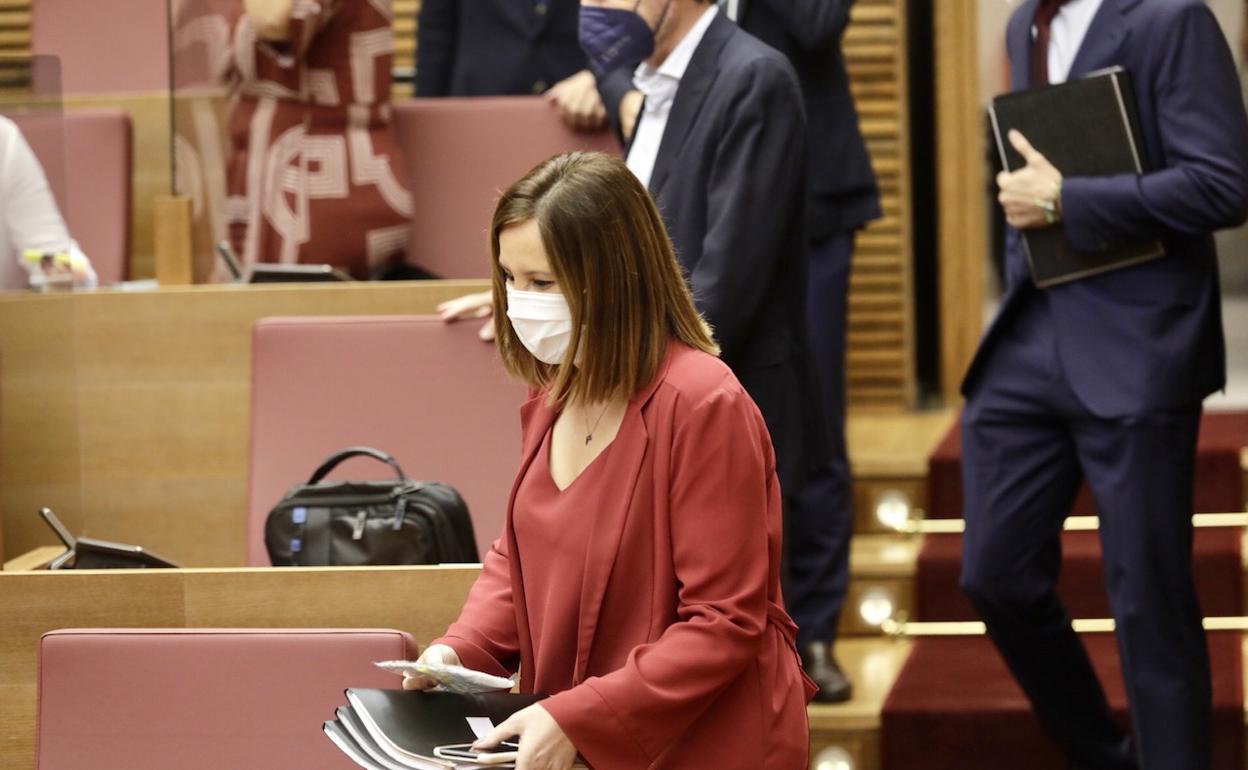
point(1201, 184)
point(611, 88)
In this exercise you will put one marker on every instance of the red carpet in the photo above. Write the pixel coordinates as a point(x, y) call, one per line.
point(1219, 478)
point(1216, 554)
point(955, 707)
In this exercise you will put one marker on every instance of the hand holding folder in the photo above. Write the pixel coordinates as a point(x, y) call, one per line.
point(1084, 127)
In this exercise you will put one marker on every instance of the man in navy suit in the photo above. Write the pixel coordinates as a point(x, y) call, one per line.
point(842, 199)
point(507, 47)
point(1102, 379)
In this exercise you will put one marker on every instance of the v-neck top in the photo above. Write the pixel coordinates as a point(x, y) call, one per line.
point(557, 524)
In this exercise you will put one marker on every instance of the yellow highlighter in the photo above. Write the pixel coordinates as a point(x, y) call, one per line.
point(47, 259)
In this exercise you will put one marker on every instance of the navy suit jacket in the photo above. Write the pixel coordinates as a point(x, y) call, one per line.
point(730, 183)
point(1146, 337)
point(496, 47)
point(843, 193)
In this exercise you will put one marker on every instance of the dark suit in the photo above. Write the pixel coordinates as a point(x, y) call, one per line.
point(729, 180)
point(496, 47)
point(730, 191)
point(842, 198)
point(843, 194)
point(1102, 379)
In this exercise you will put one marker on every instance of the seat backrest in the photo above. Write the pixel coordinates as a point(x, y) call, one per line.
point(202, 699)
point(429, 393)
point(460, 153)
point(87, 156)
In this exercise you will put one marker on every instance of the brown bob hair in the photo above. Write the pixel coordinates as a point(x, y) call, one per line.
point(614, 263)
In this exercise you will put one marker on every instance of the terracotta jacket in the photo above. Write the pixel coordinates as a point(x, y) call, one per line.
point(685, 657)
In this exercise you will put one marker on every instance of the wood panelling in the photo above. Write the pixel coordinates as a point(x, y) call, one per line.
point(963, 216)
point(879, 361)
point(420, 600)
point(14, 46)
point(128, 412)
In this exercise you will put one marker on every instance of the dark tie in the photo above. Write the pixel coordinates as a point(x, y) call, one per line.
point(1046, 10)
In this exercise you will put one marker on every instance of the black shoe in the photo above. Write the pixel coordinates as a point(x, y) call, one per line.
point(821, 666)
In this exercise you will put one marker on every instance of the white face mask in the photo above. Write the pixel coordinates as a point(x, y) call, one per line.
point(542, 321)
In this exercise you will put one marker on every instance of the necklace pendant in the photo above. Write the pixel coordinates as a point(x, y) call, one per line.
point(588, 438)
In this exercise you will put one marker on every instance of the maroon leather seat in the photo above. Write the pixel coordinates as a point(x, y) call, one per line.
point(202, 699)
point(459, 155)
point(429, 393)
point(87, 156)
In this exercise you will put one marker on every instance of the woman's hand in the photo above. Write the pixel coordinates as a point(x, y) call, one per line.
point(543, 744)
point(480, 305)
point(434, 654)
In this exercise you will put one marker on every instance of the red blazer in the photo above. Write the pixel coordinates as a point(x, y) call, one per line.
point(685, 656)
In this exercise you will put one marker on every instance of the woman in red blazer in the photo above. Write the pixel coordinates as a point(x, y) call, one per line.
point(637, 577)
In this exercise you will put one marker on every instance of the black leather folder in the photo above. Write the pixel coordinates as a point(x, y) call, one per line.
point(400, 728)
point(1085, 127)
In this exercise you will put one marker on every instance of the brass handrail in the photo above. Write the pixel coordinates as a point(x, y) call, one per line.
point(921, 526)
point(907, 628)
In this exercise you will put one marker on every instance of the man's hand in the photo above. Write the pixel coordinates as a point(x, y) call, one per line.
point(478, 305)
point(1030, 196)
point(630, 110)
point(577, 100)
point(543, 744)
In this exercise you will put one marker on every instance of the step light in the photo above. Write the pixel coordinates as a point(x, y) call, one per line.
point(833, 758)
point(876, 606)
point(892, 510)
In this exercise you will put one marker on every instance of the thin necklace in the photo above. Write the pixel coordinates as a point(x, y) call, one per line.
point(589, 432)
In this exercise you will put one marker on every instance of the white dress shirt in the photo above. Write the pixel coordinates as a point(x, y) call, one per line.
point(659, 86)
point(1066, 34)
point(29, 218)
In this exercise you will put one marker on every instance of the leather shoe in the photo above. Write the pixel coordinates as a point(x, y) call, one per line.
point(821, 666)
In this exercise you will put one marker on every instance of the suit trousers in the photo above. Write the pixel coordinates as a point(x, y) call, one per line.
point(821, 511)
point(1027, 443)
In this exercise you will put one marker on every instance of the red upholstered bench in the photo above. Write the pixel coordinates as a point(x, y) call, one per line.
point(459, 155)
point(202, 699)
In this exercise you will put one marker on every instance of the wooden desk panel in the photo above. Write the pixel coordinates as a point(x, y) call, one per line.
point(420, 600)
point(129, 413)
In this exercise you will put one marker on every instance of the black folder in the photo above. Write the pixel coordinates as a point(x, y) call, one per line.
point(388, 729)
point(1085, 127)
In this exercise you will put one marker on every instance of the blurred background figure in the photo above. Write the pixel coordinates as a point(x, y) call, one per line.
point(312, 168)
point(30, 220)
point(507, 48)
point(843, 198)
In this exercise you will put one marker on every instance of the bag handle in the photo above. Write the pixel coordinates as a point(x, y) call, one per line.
point(356, 451)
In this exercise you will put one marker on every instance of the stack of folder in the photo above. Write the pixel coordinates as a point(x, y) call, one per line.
point(400, 730)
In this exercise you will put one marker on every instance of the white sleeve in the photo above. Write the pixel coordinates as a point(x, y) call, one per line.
point(32, 218)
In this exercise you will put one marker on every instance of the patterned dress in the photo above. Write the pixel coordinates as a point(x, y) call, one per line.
point(313, 170)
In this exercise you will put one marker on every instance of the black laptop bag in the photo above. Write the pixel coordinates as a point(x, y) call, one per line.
point(356, 523)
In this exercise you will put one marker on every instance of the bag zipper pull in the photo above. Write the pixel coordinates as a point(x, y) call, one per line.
point(358, 532)
point(400, 509)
